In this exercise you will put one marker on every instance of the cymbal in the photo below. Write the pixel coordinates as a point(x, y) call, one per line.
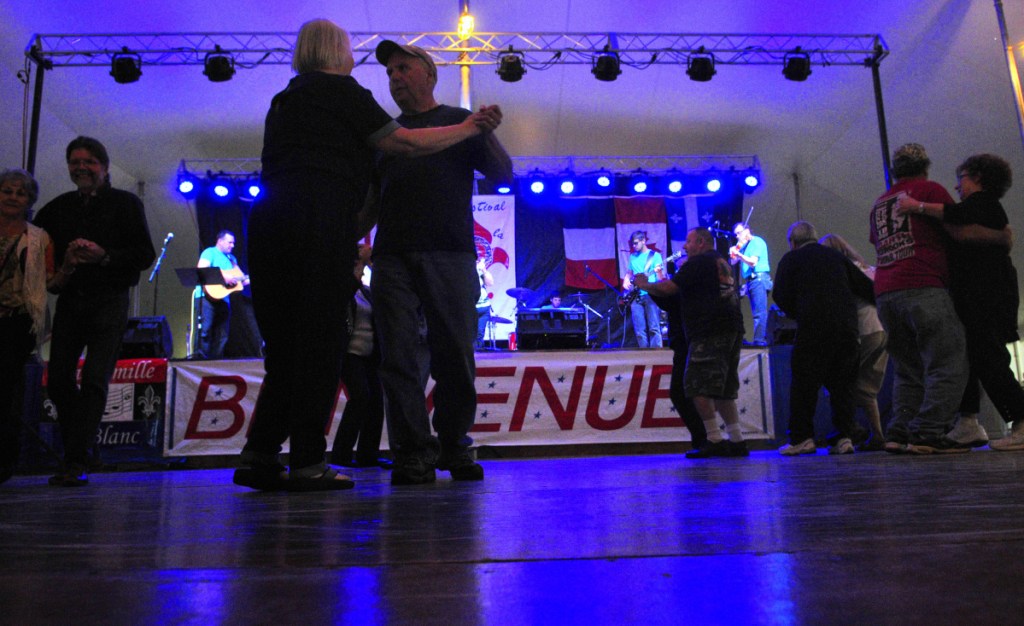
point(579, 295)
point(494, 319)
point(519, 293)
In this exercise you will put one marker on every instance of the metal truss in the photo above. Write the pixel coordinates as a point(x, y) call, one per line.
point(539, 50)
point(530, 165)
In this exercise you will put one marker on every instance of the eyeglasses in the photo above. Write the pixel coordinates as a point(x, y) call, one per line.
point(86, 162)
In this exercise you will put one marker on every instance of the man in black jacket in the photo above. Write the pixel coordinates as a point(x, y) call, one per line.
point(101, 233)
point(816, 286)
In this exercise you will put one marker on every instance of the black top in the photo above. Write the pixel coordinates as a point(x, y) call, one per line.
point(425, 202)
point(817, 287)
point(983, 281)
point(709, 303)
point(322, 126)
point(112, 218)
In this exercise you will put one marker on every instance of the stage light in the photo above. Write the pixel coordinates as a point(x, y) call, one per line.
point(188, 185)
point(221, 187)
point(604, 180)
point(510, 66)
point(714, 184)
point(126, 66)
point(466, 25)
point(751, 180)
point(796, 65)
point(606, 65)
point(537, 186)
point(673, 181)
point(218, 66)
point(640, 182)
point(567, 183)
point(504, 189)
point(700, 67)
point(250, 188)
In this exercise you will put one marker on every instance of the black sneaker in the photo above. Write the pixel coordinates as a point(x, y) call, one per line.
point(461, 466)
point(937, 445)
point(412, 471)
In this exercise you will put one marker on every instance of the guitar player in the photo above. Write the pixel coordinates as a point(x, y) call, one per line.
point(645, 313)
point(215, 305)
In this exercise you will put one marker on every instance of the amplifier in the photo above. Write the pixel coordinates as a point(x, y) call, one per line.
point(147, 337)
point(551, 329)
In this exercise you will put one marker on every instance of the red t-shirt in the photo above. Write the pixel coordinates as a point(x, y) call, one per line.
point(911, 248)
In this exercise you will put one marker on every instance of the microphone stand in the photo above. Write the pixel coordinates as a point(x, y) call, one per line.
point(608, 328)
point(155, 274)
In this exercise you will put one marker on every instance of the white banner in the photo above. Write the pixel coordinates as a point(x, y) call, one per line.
point(495, 233)
point(523, 398)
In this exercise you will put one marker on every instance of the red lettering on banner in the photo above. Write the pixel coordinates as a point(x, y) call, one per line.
point(491, 398)
point(232, 405)
point(656, 392)
point(565, 416)
point(594, 418)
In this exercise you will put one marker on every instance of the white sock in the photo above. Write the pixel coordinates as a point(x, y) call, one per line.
point(714, 432)
point(735, 432)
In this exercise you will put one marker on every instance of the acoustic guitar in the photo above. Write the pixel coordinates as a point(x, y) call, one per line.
point(634, 293)
point(219, 292)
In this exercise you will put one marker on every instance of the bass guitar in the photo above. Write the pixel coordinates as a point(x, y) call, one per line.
point(219, 292)
point(634, 293)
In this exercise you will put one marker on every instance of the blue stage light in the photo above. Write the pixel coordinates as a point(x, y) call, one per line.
point(640, 182)
point(504, 189)
point(751, 181)
point(188, 185)
point(714, 185)
point(250, 188)
point(675, 186)
point(537, 186)
point(222, 189)
point(567, 187)
point(640, 186)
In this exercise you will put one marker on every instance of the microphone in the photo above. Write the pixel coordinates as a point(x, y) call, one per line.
point(168, 238)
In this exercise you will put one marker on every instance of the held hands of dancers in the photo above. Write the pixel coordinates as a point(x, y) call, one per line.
point(906, 204)
point(487, 118)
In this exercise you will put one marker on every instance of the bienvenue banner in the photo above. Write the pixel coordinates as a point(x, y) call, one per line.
point(523, 398)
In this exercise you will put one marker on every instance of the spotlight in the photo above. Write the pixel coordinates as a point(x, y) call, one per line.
point(510, 66)
point(714, 184)
point(796, 65)
point(640, 182)
point(700, 67)
point(126, 66)
point(221, 187)
point(218, 66)
point(250, 188)
point(604, 180)
point(568, 183)
point(606, 65)
point(673, 181)
point(504, 189)
point(536, 182)
point(751, 180)
point(188, 185)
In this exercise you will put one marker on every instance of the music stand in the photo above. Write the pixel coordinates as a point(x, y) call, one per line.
point(194, 278)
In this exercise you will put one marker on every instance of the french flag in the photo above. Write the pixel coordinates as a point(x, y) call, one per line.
point(588, 228)
point(646, 213)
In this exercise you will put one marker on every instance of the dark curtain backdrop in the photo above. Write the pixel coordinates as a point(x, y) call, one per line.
point(213, 216)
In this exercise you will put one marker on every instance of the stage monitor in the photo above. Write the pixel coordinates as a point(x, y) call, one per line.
point(551, 329)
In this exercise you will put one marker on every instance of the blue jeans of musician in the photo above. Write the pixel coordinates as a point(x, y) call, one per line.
point(757, 291)
point(926, 342)
point(646, 322)
point(445, 286)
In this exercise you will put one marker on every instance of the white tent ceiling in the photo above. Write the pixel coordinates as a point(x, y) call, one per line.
point(945, 83)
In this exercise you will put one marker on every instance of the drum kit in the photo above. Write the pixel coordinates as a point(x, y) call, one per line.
point(521, 294)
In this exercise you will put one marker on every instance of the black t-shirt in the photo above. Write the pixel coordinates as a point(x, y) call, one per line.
point(709, 303)
point(321, 127)
point(426, 202)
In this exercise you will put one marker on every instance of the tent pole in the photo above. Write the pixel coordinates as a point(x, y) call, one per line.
point(37, 104)
point(882, 132)
point(1011, 63)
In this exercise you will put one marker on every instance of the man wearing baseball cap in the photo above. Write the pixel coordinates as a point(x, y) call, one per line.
point(424, 259)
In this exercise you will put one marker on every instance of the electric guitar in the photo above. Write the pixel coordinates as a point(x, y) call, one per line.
point(634, 293)
point(219, 292)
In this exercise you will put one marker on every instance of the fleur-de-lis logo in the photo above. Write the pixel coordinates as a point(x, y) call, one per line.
point(149, 402)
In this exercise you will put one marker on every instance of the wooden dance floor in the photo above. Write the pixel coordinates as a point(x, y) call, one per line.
point(648, 539)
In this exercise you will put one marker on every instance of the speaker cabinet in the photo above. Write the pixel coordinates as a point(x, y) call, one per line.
point(781, 330)
point(551, 329)
point(147, 338)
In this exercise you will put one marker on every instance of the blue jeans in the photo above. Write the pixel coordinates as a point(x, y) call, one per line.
point(926, 342)
point(758, 293)
point(445, 286)
point(646, 322)
point(216, 317)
